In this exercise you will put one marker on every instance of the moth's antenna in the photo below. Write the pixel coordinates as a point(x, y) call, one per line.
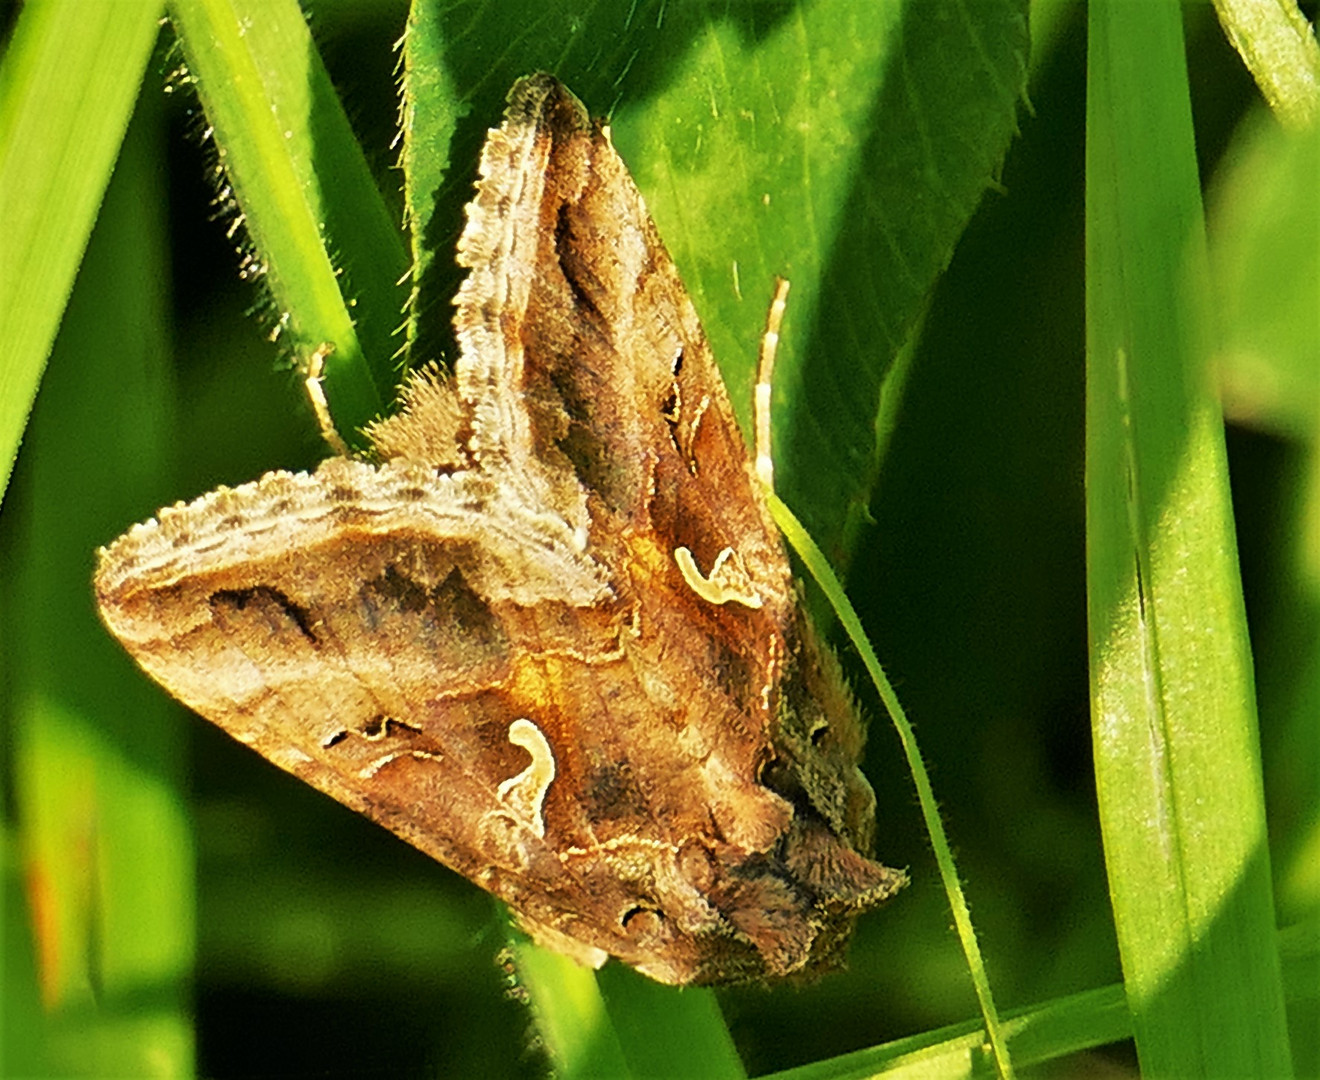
point(765, 463)
point(320, 406)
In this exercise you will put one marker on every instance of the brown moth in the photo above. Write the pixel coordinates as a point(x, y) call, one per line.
point(549, 636)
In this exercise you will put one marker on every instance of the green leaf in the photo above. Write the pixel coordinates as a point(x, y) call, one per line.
point(842, 146)
point(68, 81)
point(1177, 751)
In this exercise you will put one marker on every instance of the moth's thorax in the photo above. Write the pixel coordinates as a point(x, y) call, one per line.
point(551, 636)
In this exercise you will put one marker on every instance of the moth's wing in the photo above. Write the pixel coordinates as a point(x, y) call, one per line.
point(583, 361)
point(348, 625)
point(600, 342)
point(622, 394)
point(553, 640)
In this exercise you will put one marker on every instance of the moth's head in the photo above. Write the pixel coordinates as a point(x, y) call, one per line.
point(818, 740)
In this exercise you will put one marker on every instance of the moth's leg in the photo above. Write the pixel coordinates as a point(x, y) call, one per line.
point(320, 406)
point(765, 464)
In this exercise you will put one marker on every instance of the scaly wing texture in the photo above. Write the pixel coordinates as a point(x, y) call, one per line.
point(552, 638)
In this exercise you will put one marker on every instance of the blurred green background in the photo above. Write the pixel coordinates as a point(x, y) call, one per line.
point(326, 947)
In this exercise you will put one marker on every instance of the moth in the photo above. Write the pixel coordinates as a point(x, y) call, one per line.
point(547, 632)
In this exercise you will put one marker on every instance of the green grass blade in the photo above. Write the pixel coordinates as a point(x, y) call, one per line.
point(618, 1023)
point(802, 542)
point(98, 754)
point(428, 118)
point(1177, 755)
point(1039, 1034)
point(325, 244)
point(666, 1032)
point(1279, 48)
point(68, 79)
point(570, 1012)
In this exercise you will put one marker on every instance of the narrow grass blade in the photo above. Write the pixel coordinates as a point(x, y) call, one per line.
point(1037, 1035)
point(68, 79)
point(571, 1018)
point(1279, 48)
point(323, 240)
point(98, 758)
point(665, 1031)
point(1177, 755)
point(428, 117)
point(808, 551)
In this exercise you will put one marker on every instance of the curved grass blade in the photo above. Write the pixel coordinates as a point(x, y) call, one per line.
point(1038, 1034)
point(802, 542)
